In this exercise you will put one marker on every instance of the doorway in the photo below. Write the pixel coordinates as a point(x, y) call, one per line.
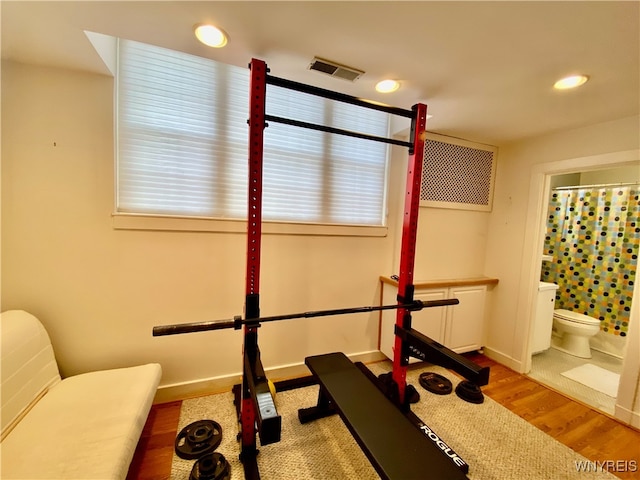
point(549, 367)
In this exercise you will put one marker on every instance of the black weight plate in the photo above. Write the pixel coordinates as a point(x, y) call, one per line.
point(469, 392)
point(435, 383)
point(411, 395)
point(197, 439)
point(212, 466)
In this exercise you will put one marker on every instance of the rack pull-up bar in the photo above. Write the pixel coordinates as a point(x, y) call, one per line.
point(238, 322)
point(340, 97)
point(339, 131)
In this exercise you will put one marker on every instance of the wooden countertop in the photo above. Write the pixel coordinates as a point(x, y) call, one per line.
point(453, 282)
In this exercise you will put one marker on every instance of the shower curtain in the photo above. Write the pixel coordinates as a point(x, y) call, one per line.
point(593, 235)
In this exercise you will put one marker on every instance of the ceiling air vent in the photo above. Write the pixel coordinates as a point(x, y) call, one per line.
point(335, 69)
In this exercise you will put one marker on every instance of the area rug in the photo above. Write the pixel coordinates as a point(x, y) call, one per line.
point(496, 443)
point(595, 377)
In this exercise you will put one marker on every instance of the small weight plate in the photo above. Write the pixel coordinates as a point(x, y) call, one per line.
point(435, 383)
point(469, 392)
point(212, 466)
point(197, 439)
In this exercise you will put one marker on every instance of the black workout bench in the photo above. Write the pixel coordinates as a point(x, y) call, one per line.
point(394, 445)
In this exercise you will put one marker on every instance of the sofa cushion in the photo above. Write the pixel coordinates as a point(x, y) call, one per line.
point(85, 427)
point(28, 365)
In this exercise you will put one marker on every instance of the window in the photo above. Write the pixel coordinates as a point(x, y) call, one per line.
point(182, 146)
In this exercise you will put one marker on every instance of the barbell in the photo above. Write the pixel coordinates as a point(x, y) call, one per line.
point(237, 322)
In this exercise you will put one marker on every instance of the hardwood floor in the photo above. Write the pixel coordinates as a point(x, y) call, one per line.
point(594, 435)
point(152, 459)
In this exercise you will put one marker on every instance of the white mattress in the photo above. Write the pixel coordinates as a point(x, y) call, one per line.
point(29, 366)
point(85, 427)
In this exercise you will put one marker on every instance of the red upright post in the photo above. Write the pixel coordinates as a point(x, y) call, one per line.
point(408, 245)
point(257, 94)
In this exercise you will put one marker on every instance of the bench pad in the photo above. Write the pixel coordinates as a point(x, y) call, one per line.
point(394, 445)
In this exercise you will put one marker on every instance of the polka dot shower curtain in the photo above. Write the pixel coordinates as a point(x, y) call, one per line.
point(593, 235)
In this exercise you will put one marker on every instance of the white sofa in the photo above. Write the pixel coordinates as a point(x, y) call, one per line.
point(81, 427)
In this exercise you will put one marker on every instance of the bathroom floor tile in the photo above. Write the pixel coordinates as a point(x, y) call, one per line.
point(546, 368)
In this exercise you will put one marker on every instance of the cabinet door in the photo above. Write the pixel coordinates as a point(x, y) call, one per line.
point(388, 320)
point(428, 321)
point(465, 322)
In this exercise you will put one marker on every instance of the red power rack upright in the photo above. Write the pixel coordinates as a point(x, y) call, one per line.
point(408, 244)
point(257, 408)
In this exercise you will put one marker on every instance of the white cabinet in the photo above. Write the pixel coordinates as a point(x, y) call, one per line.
point(458, 327)
point(465, 321)
point(543, 317)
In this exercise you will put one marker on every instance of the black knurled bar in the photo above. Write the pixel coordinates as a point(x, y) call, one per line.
point(238, 321)
point(339, 131)
point(340, 97)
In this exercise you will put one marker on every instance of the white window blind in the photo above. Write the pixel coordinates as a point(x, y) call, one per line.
point(182, 146)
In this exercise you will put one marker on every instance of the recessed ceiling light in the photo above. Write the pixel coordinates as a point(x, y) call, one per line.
point(210, 35)
point(387, 86)
point(572, 81)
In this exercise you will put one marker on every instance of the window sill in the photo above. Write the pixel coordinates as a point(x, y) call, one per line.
point(130, 221)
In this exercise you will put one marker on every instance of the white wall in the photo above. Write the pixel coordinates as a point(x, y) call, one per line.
point(99, 291)
point(450, 243)
point(629, 174)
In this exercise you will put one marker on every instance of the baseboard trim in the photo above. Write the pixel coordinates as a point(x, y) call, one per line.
point(627, 416)
point(503, 359)
point(208, 386)
point(607, 352)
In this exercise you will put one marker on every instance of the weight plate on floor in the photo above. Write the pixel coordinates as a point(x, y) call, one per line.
point(212, 466)
point(469, 392)
point(435, 383)
point(411, 395)
point(197, 439)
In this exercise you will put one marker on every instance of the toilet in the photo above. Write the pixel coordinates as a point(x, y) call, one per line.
point(573, 331)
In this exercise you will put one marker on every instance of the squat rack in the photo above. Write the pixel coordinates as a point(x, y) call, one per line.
point(257, 411)
point(253, 371)
point(257, 122)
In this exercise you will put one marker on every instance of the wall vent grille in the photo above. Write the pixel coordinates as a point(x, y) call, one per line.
point(457, 174)
point(335, 69)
